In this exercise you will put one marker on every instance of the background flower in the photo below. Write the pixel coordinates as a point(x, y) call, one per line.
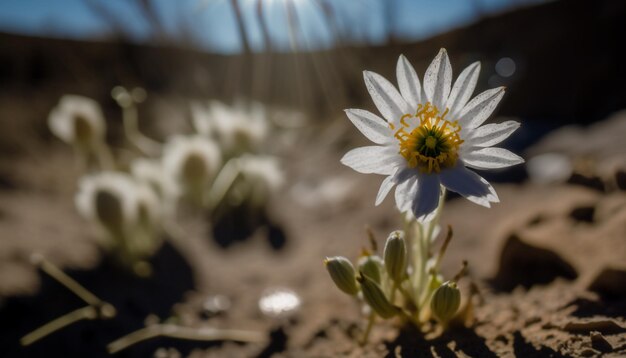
point(78, 120)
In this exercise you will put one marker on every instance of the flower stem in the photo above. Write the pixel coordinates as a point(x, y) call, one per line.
point(187, 333)
point(146, 145)
point(368, 329)
point(96, 309)
point(394, 288)
point(69, 283)
point(442, 250)
point(88, 312)
point(223, 182)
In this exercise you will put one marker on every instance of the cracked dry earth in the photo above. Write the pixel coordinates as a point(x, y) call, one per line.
point(547, 263)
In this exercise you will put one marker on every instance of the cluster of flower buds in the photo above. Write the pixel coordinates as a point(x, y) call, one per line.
point(387, 284)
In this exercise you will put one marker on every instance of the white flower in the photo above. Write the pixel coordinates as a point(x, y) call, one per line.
point(128, 212)
point(78, 121)
point(262, 169)
point(118, 203)
point(193, 161)
point(152, 173)
point(429, 135)
point(249, 179)
point(242, 126)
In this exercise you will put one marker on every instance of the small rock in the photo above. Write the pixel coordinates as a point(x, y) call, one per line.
point(583, 213)
point(610, 283)
point(592, 182)
point(589, 352)
point(526, 265)
point(606, 326)
point(598, 342)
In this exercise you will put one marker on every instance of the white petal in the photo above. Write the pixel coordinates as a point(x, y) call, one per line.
point(491, 134)
point(385, 188)
point(427, 198)
point(405, 192)
point(408, 82)
point(468, 184)
point(372, 126)
point(480, 108)
point(373, 159)
point(491, 158)
point(438, 79)
point(386, 97)
point(492, 197)
point(463, 88)
point(61, 125)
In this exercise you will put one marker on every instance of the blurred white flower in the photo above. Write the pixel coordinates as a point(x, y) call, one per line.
point(193, 161)
point(263, 169)
point(78, 121)
point(152, 173)
point(429, 135)
point(127, 210)
point(107, 198)
point(236, 128)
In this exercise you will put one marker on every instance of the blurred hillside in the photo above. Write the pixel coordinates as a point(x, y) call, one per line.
point(568, 65)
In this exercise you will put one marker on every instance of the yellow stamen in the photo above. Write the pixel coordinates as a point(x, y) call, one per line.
point(432, 143)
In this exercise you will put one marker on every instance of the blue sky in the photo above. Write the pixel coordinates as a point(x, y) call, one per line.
point(211, 23)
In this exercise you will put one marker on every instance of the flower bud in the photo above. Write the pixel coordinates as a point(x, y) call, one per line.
point(445, 301)
point(371, 266)
point(342, 273)
point(395, 256)
point(375, 298)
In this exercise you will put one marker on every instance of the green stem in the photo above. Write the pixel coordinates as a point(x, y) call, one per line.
point(222, 183)
point(394, 288)
point(368, 329)
point(442, 250)
point(422, 252)
point(131, 127)
point(187, 333)
point(410, 318)
point(69, 283)
point(405, 294)
point(88, 312)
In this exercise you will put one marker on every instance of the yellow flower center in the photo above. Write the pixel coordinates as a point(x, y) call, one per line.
point(428, 141)
point(431, 142)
